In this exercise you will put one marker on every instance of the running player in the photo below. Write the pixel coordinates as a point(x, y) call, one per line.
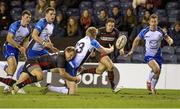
point(153, 36)
point(16, 43)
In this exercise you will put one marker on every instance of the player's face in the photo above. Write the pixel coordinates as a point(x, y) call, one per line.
point(153, 23)
point(50, 16)
point(26, 19)
point(69, 55)
point(109, 26)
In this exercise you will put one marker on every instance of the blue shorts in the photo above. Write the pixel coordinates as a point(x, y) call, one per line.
point(9, 51)
point(72, 71)
point(33, 53)
point(158, 59)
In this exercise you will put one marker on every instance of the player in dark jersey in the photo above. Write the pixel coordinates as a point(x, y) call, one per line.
point(32, 71)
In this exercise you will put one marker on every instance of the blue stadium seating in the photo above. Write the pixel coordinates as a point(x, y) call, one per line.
point(169, 59)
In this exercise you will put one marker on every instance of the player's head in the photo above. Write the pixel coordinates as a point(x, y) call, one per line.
point(70, 53)
point(110, 24)
point(50, 14)
point(26, 17)
point(153, 21)
point(92, 32)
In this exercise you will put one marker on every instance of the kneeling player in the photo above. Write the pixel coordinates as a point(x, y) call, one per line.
point(32, 71)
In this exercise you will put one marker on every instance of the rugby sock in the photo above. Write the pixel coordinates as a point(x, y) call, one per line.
point(62, 90)
point(151, 74)
point(111, 79)
point(8, 81)
point(154, 81)
point(89, 70)
point(30, 80)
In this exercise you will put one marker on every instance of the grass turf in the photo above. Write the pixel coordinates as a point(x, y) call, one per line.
point(92, 98)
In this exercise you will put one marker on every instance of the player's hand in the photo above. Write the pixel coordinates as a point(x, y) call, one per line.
point(121, 51)
point(129, 54)
point(170, 42)
point(48, 45)
point(111, 47)
point(23, 51)
point(54, 49)
point(77, 79)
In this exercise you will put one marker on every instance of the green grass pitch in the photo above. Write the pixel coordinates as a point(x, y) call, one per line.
point(92, 98)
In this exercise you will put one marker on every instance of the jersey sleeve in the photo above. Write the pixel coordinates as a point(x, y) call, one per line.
point(13, 28)
point(142, 34)
point(40, 25)
point(95, 44)
point(61, 61)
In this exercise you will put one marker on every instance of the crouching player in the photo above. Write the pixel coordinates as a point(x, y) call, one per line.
point(32, 71)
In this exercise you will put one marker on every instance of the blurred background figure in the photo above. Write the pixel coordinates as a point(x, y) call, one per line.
point(40, 8)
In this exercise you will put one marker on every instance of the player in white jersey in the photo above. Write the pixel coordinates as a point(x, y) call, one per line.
point(153, 36)
point(41, 35)
point(16, 42)
point(84, 48)
point(40, 42)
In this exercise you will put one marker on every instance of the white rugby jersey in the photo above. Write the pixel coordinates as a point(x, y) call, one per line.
point(19, 32)
point(152, 40)
point(84, 47)
point(45, 31)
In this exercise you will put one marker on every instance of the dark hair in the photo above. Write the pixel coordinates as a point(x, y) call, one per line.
point(26, 12)
point(110, 20)
point(176, 23)
point(70, 49)
point(153, 16)
point(49, 9)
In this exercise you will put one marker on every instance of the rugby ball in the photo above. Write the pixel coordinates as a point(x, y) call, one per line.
point(121, 42)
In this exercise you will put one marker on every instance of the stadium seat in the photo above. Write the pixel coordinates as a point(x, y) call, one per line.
point(178, 59)
point(108, 1)
point(73, 12)
point(121, 59)
point(29, 4)
point(173, 15)
point(169, 59)
point(16, 13)
point(138, 58)
point(162, 15)
point(112, 4)
point(172, 5)
point(177, 50)
point(168, 50)
point(99, 4)
point(85, 5)
point(16, 3)
point(139, 50)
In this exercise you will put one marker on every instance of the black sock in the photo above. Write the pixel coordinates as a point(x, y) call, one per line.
point(8, 81)
point(30, 80)
point(111, 79)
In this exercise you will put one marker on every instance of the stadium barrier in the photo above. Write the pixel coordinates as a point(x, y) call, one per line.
point(126, 76)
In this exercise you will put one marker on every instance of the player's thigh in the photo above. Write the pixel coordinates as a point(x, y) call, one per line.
point(72, 87)
point(154, 66)
point(101, 68)
point(36, 71)
point(107, 62)
point(55, 70)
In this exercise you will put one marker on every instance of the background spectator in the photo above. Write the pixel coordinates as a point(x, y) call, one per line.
point(85, 20)
point(72, 27)
point(100, 20)
point(40, 8)
point(175, 34)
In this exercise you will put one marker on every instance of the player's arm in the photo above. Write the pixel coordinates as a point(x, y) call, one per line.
point(100, 48)
point(65, 75)
point(169, 40)
point(10, 40)
point(134, 45)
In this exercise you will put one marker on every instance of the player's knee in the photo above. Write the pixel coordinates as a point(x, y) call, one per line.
point(110, 68)
point(39, 77)
point(98, 71)
point(157, 71)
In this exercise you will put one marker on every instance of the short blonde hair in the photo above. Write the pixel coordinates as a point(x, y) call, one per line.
point(91, 31)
